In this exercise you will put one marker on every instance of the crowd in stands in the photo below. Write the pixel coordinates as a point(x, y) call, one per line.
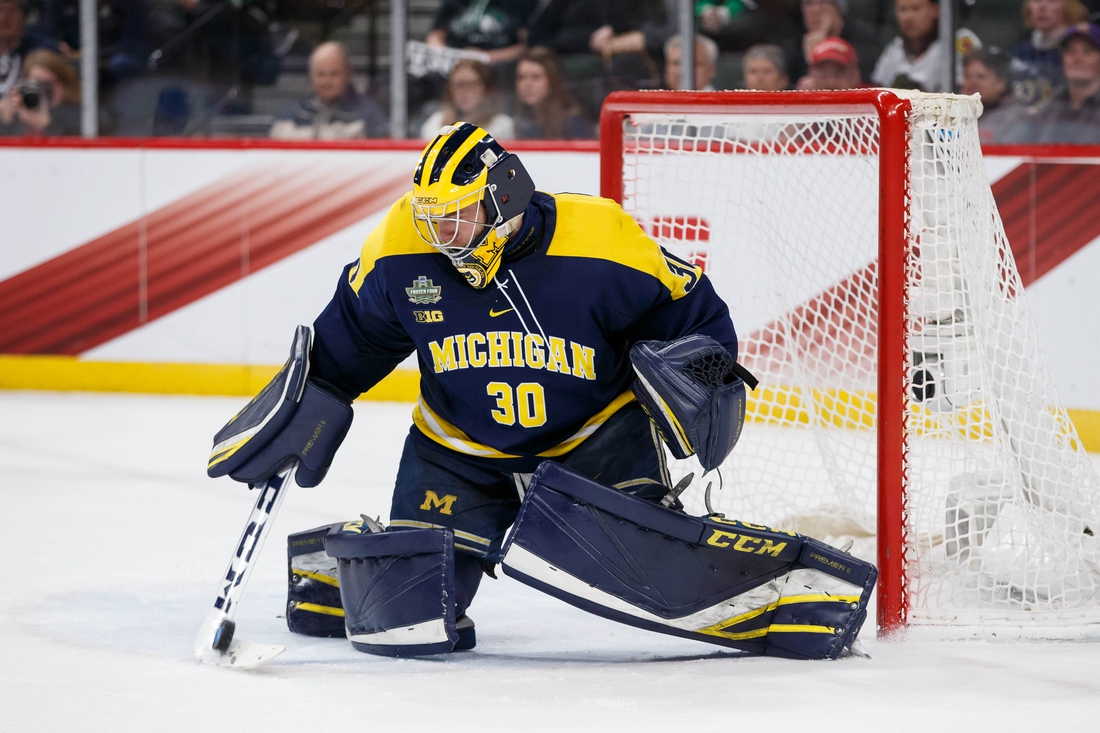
point(538, 69)
point(335, 110)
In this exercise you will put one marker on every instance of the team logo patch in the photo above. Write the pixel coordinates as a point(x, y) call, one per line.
point(433, 500)
point(424, 292)
point(428, 316)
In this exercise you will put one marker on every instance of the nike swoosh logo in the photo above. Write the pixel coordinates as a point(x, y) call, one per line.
point(494, 314)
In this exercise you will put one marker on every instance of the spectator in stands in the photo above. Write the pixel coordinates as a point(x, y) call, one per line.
point(16, 41)
point(335, 110)
point(566, 26)
point(766, 68)
point(738, 24)
point(913, 60)
point(1073, 115)
point(645, 31)
point(470, 97)
point(833, 65)
point(986, 73)
point(1037, 62)
point(46, 102)
point(706, 63)
point(824, 18)
point(714, 15)
point(544, 109)
point(220, 43)
point(627, 36)
point(498, 27)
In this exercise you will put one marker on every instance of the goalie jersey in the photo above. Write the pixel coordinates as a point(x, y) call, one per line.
point(528, 367)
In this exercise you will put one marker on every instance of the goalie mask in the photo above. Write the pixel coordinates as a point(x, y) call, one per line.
point(469, 195)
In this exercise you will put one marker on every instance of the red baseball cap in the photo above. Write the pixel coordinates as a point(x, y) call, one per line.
point(834, 49)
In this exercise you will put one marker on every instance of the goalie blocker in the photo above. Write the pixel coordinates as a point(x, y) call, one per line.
point(292, 419)
point(721, 581)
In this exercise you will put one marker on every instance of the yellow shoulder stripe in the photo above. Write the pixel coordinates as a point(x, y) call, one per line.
point(598, 228)
point(395, 235)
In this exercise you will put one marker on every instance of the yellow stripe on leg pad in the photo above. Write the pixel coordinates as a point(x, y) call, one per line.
point(317, 608)
point(319, 577)
point(800, 629)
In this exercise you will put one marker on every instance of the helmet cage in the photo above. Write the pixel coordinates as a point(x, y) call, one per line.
point(464, 210)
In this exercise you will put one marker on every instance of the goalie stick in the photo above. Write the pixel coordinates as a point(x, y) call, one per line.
point(215, 643)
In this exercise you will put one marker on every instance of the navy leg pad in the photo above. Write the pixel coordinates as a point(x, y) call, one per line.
point(724, 582)
point(820, 594)
point(313, 593)
point(397, 590)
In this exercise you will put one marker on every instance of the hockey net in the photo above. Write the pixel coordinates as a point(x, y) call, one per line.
point(905, 403)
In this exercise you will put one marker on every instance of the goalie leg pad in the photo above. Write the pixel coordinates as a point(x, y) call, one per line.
point(397, 589)
point(719, 581)
point(313, 604)
point(823, 604)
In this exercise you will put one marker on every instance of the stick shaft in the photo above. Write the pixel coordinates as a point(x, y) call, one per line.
point(242, 561)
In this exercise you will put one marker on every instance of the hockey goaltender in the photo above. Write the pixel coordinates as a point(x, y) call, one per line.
point(559, 346)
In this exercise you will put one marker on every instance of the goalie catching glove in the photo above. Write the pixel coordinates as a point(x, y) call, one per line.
point(694, 391)
point(292, 419)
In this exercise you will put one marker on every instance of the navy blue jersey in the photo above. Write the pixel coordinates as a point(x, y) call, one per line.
point(535, 362)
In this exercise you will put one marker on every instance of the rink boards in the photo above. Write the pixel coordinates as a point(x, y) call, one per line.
point(183, 267)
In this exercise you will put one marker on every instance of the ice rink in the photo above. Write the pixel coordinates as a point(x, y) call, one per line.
point(114, 539)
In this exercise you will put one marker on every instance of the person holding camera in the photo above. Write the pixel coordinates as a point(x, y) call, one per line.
point(16, 41)
point(45, 101)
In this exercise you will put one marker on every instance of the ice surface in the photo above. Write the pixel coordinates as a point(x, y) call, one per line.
point(114, 538)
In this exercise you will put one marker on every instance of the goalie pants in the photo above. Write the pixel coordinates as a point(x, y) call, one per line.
point(437, 487)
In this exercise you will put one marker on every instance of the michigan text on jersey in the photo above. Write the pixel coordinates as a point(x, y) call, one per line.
point(513, 349)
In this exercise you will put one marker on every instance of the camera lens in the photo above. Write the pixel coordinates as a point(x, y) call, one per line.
point(32, 95)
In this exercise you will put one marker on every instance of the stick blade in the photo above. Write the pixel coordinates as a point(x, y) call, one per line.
point(215, 645)
point(246, 655)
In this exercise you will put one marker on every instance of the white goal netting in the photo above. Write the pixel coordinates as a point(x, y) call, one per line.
point(1000, 504)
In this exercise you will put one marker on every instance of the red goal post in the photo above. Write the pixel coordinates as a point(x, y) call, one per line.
point(856, 239)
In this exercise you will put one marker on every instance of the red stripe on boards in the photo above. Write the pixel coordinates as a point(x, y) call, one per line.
point(831, 337)
point(193, 247)
point(1062, 221)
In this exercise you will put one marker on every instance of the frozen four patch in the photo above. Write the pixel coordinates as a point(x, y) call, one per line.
point(424, 292)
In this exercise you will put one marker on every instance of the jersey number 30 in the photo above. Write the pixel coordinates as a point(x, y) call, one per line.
point(528, 402)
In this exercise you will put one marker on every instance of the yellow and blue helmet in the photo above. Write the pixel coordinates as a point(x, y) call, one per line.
point(469, 195)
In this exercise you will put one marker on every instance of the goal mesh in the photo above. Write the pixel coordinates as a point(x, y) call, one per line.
point(780, 206)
